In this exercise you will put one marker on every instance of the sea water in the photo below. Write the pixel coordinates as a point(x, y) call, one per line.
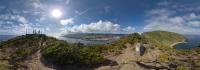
point(192, 42)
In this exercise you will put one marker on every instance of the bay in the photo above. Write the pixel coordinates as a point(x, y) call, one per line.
point(192, 42)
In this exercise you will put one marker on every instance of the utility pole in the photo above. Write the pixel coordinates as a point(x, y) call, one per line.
point(33, 31)
point(38, 31)
point(26, 31)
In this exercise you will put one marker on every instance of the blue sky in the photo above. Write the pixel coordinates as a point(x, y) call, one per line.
point(99, 16)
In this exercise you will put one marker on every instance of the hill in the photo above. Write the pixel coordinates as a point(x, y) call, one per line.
point(18, 52)
point(94, 36)
point(14, 51)
point(157, 53)
point(40, 52)
point(157, 39)
point(164, 38)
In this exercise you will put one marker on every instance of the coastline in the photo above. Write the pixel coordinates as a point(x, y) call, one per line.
point(173, 45)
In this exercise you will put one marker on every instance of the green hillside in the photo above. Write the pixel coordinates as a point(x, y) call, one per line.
point(158, 39)
point(163, 38)
point(14, 52)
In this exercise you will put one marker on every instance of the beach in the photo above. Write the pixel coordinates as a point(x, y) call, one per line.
point(172, 45)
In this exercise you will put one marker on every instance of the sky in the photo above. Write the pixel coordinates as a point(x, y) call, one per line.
point(60, 17)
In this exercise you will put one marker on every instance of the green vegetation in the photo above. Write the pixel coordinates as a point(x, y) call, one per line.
point(197, 50)
point(63, 53)
point(184, 52)
point(15, 51)
point(164, 57)
point(181, 67)
point(120, 44)
point(21, 47)
point(4, 65)
point(132, 38)
point(162, 39)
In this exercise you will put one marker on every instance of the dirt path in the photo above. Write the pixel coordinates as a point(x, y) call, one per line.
point(125, 61)
point(35, 63)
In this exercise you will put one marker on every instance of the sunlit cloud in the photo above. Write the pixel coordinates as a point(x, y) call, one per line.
point(67, 21)
point(98, 27)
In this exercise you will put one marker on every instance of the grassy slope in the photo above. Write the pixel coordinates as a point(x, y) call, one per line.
point(56, 49)
point(163, 38)
point(15, 51)
point(162, 41)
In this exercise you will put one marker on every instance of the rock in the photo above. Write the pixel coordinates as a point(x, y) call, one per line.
point(104, 68)
point(130, 67)
point(127, 56)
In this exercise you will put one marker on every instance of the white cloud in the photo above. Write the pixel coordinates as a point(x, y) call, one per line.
point(95, 27)
point(160, 12)
point(129, 29)
point(36, 5)
point(15, 24)
point(17, 18)
point(67, 2)
point(67, 21)
point(23, 20)
point(98, 27)
point(194, 23)
point(166, 21)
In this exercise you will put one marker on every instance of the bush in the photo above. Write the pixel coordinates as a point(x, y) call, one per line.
point(4, 65)
point(120, 44)
point(164, 57)
point(181, 67)
point(62, 53)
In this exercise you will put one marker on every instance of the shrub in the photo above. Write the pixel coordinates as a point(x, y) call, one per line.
point(120, 44)
point(62, 53)
point(164, 57)
point(181, 67)
point(4, 65)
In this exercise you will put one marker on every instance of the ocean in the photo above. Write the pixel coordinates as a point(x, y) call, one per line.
point(86, 42)
point(192, 42)
point(6, 37)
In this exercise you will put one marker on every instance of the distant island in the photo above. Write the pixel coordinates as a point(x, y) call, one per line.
point(94, 36)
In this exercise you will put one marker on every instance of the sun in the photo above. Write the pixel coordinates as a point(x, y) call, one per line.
point(56, 13)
